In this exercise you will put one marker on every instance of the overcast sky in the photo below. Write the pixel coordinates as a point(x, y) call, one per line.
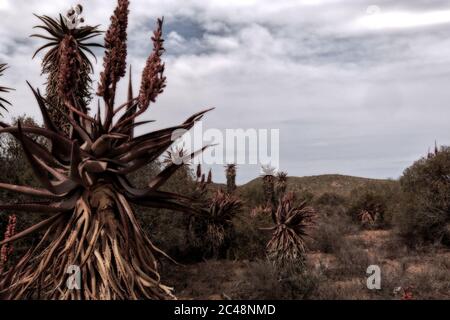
point(356, 87)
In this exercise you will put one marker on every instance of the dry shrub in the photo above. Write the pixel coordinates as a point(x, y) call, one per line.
point(263, 281)
point(331, 199)
point(331, 203)
point(419, 224)
point(368, 209)
point(329, 233)
point(352, 260)
point(428, 283)
point(426, 209)
point(249, 242)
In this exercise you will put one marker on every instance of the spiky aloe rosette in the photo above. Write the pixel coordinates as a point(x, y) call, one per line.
point(269, 186)
point(222, 209)
point(87, 197)
point(214, 230)
point(281, 183)
point(3, 101)
point(287, 245)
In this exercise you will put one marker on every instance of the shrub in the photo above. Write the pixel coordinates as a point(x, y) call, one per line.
point(249, 242)
point(330, 203)
point(331, 199)
point(329, 233)
point(352, 259)
point(263, 281)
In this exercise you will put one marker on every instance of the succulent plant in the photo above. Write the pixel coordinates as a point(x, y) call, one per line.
point(3, 101)
point(214, 229)
point(231, 177)
point(281, 183)
point(268, 170)
point(268, 174)
point(287, 245)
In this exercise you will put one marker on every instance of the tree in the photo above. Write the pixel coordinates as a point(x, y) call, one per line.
point(426, 206)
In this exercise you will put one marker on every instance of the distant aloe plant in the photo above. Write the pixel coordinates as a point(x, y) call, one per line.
point(287, 245)
point(231, 177)
point(270, 200)
point(281, 184)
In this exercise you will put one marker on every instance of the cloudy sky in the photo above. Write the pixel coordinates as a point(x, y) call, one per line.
point(355, 87)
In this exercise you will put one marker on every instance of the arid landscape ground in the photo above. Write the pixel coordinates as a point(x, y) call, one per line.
point(340, 252)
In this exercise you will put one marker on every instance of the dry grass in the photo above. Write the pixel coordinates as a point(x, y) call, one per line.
point(338, 274)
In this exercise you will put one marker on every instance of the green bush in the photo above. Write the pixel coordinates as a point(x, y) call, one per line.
point(425, 212)
point(250, 242)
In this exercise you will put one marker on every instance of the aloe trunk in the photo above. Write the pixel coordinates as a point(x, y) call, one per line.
point(103, 239)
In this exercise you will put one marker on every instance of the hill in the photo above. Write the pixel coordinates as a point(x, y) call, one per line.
point(318, 185)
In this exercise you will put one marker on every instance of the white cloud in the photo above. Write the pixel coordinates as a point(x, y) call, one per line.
point(5, 5)
point(347, 98)
point(393, 20)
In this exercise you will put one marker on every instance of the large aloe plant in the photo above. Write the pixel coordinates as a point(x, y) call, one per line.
point(86, 196)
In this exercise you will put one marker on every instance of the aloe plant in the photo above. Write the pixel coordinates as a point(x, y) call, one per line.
point(3, 101)
point(213, 231)
point(231, 177)
point(66, 63)
point(86, 196)
point(268, 177)
point(281, 184)
point(291, 223)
